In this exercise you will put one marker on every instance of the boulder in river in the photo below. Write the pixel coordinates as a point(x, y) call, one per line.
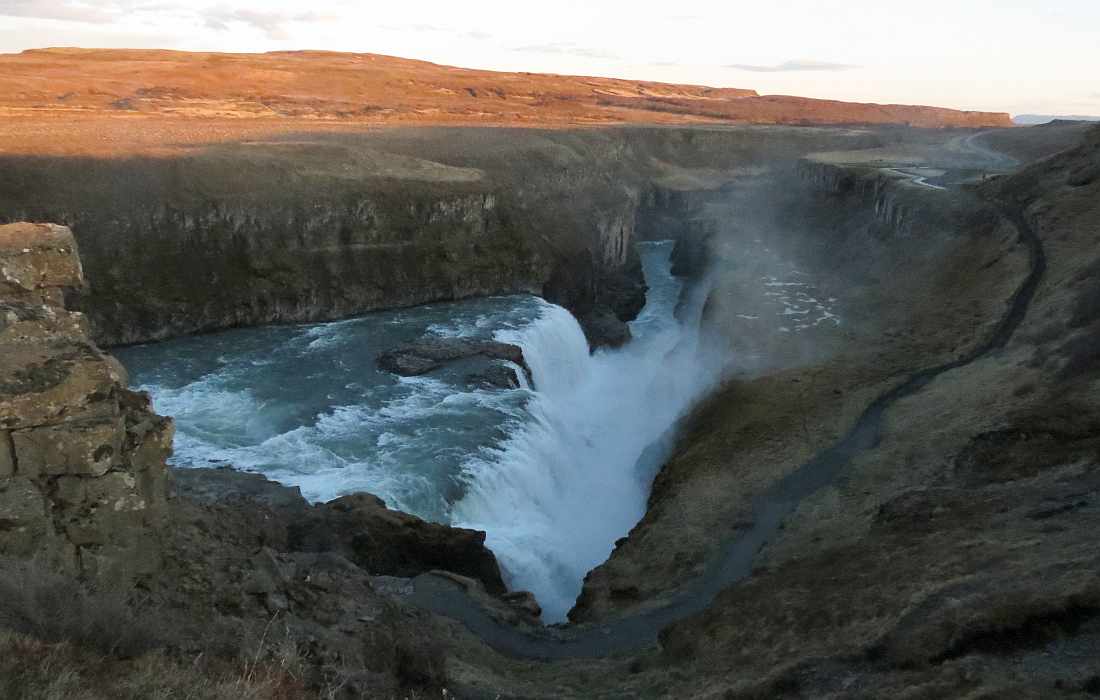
point(604, 329)
point(432, 352)
point(496, 376)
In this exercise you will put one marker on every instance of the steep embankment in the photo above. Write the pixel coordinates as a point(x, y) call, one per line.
point(321, 227)
point(911, 275)
point(955, 547)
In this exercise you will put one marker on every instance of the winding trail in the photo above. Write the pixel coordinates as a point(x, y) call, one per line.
point(969, 144)
point(770, 508)
point(921, 180)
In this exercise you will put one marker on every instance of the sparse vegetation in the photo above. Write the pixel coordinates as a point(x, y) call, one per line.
point(60, 640)
point(34, 669)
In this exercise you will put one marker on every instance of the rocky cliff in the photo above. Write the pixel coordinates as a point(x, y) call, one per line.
point(199, 244)
point(321, 227)
point(82, 459)
point(897, 203)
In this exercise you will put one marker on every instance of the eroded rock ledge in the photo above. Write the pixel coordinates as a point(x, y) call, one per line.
point(357, 527)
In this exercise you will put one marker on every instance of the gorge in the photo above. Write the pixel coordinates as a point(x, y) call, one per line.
point(799, 411)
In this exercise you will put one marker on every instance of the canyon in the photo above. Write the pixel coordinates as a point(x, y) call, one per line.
point(892, 489)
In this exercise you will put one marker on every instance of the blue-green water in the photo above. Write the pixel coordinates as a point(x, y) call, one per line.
point(553, 475)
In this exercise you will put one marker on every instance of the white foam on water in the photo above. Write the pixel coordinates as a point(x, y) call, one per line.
point(558, 492)
point(553, 471)
point(326, 457)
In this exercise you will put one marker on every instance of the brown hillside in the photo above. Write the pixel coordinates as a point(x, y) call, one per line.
point(110, 101)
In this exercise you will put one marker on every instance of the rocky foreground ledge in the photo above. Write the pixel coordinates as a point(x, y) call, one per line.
point(82, 459)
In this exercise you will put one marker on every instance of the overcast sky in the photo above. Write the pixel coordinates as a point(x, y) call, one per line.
point(1023, 56)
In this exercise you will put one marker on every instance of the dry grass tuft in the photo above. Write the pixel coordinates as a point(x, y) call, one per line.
point(53, 608)
point(33, 670)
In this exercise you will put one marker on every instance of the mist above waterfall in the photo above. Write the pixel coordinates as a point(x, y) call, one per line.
point(556, 494)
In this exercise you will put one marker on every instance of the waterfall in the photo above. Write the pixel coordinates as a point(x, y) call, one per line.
point(558, 492)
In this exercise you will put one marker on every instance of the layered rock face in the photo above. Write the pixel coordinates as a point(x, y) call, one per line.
point(82, 459)
point(323, 227)
point(897, 206)
point(310, 232)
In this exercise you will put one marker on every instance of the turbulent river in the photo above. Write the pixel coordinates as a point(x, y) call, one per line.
point(554, 474)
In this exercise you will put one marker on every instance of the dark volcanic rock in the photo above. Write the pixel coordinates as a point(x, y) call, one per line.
point(623, 291)
point(430, 353)
point(604, 329)
point(359, 527)
point(498, 376)
point(382, 541)
point(603, 301)
point(224, 484)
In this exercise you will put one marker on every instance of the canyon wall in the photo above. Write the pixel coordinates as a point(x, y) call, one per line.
point(170, 253)
point(896, 203)
point(914, 275)
point(82, 459)
point(327, 226)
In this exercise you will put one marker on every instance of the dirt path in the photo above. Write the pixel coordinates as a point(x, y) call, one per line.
point(970, 145)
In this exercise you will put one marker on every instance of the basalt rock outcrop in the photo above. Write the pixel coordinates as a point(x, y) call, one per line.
point(382, 541)
point(358, 527)
point(82, 458)
point(327, 226)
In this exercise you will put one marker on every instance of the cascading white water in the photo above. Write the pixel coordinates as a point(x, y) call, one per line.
point(553, 474)
point(557, 493)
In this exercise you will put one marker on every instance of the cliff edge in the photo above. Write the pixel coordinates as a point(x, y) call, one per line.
point(82, 458)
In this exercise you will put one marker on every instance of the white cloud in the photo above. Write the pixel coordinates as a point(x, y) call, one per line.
point(95, 12)
point(924, 52)
point(566, 48)
point(792, 67)
point(272, 24)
